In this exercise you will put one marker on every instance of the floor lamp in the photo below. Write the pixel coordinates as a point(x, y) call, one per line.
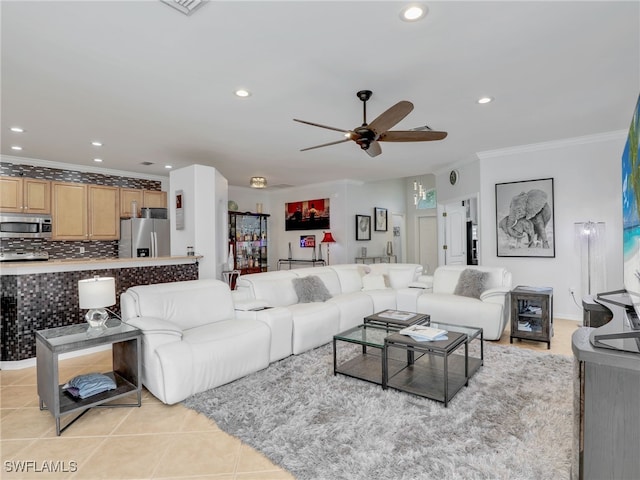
point(590, 235)
point(328, 239)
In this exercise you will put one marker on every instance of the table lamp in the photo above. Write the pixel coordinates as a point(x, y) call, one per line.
point(95, 294)
point(328, 238)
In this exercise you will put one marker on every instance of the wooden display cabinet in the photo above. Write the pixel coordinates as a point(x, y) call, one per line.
point(532, 314)
point(248, 239)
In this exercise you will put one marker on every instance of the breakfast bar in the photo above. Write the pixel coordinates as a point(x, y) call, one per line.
point(38, 295)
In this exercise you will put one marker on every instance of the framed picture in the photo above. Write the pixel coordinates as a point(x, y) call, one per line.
point(381, 219)
point(363, 227)
point(307, 215)
point(524, 219)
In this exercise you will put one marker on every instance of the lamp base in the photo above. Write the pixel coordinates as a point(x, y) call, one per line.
point(97, 317)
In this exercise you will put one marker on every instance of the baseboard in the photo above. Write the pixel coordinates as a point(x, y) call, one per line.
point(31, 362)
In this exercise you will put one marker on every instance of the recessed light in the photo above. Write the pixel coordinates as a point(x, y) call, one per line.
point(98, 160)
point(483, 100)
point(17, 129)
point(168, 166)
point(413, 13)
point(16, 147)
point(241, 92)
point(96, 143)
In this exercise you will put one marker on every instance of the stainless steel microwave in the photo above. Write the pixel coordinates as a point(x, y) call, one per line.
point(20, 225)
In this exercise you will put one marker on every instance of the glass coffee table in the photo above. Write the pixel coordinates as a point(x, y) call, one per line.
point(367, 363)
point(441, 368)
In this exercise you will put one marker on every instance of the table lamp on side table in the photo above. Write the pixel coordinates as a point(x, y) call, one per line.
point(328, 239)
point(95, 294)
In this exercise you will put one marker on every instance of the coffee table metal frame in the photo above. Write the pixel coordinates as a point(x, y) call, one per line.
point(440, 373)
point(126, 354)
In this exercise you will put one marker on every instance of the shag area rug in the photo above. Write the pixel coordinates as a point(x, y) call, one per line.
point(513, 421)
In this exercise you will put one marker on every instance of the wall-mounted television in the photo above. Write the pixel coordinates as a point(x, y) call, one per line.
point(631, 210)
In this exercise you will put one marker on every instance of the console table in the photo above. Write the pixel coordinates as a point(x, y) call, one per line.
point(606, 416)
point(294, 261)
point(380, 259)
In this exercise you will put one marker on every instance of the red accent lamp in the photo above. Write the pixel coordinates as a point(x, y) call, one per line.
point(328, 238)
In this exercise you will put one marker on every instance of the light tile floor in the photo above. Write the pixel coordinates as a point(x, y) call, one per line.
point(151, 442)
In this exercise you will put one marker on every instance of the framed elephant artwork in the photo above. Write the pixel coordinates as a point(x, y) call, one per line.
point(524, 219)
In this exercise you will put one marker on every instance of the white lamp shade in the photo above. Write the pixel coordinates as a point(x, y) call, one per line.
point(98, 292)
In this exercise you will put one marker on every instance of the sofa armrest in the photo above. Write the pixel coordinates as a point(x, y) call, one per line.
point(495, 295)
point(249, 305)
point(156, 326)
point(423, 281)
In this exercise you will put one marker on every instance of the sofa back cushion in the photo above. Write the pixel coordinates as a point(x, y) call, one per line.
point(398, 275)
point(275, 288)
point(350, 276)
point(188, 304)
point(445, 278)
point(326, 274)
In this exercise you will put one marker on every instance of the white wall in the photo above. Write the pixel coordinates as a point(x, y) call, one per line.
point(587, 186)
point(205, 199)
point(347, 198)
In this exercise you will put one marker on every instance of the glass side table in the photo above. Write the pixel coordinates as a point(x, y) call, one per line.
point(126, 353)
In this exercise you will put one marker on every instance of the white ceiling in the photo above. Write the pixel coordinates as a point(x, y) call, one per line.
point(155, 85)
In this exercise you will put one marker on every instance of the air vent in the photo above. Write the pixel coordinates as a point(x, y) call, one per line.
point(146, 163)
point(185, 6)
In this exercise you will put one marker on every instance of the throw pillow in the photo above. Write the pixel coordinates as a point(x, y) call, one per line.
point(310, 289)
point(373, 282)
point(471, 283)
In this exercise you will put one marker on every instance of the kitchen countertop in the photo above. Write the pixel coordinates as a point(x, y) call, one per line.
point(77, 264)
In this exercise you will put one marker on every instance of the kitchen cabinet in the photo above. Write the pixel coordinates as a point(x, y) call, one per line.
point(104, 216)
point(128, 195)
point(85, 212)
point(248, 240)
point(25, 195)
point(144, 198)
point(154, 199)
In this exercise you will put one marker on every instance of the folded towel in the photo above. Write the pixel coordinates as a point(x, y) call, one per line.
point(84, 386)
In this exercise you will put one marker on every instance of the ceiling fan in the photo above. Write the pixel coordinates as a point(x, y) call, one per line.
point(368, 135)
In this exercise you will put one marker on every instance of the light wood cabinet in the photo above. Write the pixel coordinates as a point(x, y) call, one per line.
point(104, 213)
point(128, 195)
point(25, 195)
point(69, 211)
point(145, 198)
point(85, 212)
point(154, 199)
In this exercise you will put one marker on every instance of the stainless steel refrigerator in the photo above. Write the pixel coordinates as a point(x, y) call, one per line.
point(144, 237)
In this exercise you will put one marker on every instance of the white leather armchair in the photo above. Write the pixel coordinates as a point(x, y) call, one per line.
point(192, 340)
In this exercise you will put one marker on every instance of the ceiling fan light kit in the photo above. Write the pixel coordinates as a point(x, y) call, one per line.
point(368, 135)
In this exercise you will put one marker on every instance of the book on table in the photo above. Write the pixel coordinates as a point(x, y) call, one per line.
point(396, 315)
point(422, 333)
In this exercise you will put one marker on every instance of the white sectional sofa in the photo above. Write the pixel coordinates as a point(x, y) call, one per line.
point(488, 307)
point(192, 340)
point(356, 291)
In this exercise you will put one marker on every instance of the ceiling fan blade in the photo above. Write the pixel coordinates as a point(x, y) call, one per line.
point(321, 126)
point(374, 149)
point(391, 116)
point(411, 136)
point(326, 144)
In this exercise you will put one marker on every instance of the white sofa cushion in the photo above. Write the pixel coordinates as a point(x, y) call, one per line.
point(350, 276)
point(186, 304)
point(373, 282)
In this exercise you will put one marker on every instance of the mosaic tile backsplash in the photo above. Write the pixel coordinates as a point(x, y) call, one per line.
point(38, 301)
point(64, 249)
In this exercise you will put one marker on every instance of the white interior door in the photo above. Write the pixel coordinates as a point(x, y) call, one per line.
point(428, 243)
point(455, 234)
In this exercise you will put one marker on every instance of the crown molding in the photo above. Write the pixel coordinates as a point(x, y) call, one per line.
point(79, 168)
point(567, 142)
